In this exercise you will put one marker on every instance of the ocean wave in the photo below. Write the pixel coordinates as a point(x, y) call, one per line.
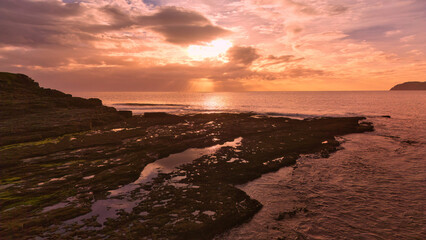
point(139, 108)
point(293, 115)
point(150, 109)
point(150, 104)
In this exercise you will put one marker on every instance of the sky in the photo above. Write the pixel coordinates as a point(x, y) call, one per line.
point(214, 45)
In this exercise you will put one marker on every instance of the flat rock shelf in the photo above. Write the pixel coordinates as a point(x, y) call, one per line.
point(157, 176)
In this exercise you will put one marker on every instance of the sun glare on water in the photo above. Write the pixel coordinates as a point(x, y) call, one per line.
point(215, 49)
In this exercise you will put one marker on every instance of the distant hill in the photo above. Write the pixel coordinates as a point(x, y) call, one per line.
point(410, 86)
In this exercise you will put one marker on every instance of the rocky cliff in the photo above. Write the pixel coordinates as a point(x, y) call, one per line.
point(30, 112)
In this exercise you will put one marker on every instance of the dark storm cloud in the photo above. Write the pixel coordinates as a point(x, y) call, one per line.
point(30, 23)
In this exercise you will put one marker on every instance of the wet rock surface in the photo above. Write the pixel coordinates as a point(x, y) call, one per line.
point(57, 186)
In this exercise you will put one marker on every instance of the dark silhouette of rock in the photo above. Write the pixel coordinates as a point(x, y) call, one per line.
point(156, 114)
point(30, 112)
point(126, 114)
point(410, 86)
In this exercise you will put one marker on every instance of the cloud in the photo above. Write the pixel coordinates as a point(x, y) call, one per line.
point(416, 52)
point(181, 26)
point(278, 60)
point(370, 33)
point(301, 7)
point(173, 16)
point(110, 45)
point(31, 23)
point(49, 8)
point(90, 70)
point(177, 25)
point(392, 33)
point(407, 38)
point(284, 58)
point(190, 34)
point(304, 72)
point(242, 55)
point(50, 23)
point(50, 59)
point(337, 9)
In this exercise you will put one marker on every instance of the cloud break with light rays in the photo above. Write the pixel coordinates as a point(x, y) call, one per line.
point(234, 45)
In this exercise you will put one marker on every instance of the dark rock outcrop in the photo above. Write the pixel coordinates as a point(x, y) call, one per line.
point(47, 185)
point(30, 112)
point(410, 86)
point(156, 115)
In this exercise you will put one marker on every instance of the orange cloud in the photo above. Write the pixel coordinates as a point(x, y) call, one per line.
point(276, 44)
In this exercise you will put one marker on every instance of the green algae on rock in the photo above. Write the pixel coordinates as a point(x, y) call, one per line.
point(196, 199)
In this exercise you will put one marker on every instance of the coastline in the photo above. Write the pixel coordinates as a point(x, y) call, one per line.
point(76, 170)
point(52, 186)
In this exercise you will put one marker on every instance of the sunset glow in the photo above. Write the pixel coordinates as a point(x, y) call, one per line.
point(215, 49)
point(202, 85)
point(216, 102)
point(243, 45)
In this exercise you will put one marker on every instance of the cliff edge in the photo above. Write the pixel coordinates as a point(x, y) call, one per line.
point(30, 112)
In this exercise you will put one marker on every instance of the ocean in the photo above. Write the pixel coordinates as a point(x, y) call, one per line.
point(374, 187)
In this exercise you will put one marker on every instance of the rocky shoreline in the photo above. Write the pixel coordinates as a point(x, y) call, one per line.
point(30, 112)
point(93, 181)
